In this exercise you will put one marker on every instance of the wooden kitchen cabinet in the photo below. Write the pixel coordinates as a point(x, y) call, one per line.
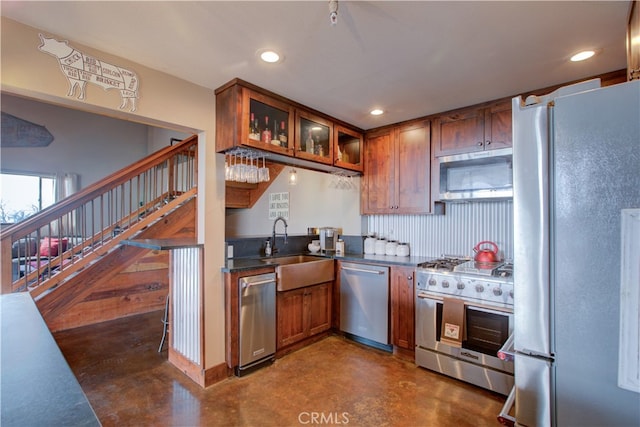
point(236, 104)
point(397, 170)
point(302, 313)
point(402, 307)
point(348, 148)
point(313, 138)
point(319, 297)
point(237, 100)
point(473, 129)
point(290, 314)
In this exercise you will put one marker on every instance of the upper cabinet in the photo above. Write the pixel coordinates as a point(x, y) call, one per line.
point(248, 116)
point(245, 117)
point(314, 138)
point(397, 173)
point(473, 129)
point(348, 148)
point(267, 123)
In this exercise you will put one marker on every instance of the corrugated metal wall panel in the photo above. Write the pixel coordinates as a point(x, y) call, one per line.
point(456, 233)
point(187, 300)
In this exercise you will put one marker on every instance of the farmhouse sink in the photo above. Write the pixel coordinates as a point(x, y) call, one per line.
point(298, 271)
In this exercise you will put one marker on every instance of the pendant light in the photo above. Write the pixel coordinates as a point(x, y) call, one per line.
point(293, 177)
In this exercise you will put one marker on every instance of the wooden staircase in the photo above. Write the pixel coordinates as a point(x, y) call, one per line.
point(96, 278)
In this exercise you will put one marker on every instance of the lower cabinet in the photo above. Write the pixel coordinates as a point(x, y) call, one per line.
point(402, 307)
point(302, 313)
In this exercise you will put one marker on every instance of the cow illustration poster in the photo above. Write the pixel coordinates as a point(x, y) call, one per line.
point(80, 68)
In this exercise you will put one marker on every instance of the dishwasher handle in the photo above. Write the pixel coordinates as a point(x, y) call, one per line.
point(258, 283)
point(363, 270)
point(263, 279)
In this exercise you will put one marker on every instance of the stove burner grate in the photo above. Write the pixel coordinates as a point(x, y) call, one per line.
point(505, 270)
point(443, 264)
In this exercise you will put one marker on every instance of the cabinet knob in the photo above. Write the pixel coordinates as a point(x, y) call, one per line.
point(479, 143)
point(487, 143)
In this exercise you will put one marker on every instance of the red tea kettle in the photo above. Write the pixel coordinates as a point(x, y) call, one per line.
point(486, 255)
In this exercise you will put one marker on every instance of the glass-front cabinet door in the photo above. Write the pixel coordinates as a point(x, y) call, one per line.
point(348, 148)
point(266, 123)
point(314, 138)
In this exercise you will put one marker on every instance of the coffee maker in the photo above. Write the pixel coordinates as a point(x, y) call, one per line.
point(328, 239)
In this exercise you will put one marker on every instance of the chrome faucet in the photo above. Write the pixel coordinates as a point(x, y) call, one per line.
point(273, 234)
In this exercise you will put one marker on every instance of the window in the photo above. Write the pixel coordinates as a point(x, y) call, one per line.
point(24, 195)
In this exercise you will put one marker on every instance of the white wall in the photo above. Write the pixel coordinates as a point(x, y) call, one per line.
point(80, 139)
point(160, 138)
point(312, 204)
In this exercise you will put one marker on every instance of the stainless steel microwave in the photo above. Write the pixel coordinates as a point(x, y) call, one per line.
point(478, 176)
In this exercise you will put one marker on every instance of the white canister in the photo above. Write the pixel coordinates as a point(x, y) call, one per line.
point(402, 249)
point(381, 247)
point(340, 247)
point(370, 245)
point(390, 248)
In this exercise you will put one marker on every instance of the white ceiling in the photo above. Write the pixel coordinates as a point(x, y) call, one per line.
point(409, 58)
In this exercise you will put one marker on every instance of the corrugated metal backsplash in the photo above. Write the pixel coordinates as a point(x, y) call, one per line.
point(456, 233)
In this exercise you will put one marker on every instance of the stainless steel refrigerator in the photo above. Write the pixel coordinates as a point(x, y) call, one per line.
point(576, 170)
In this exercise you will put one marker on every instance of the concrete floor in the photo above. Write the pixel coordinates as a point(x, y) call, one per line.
point(332, 382)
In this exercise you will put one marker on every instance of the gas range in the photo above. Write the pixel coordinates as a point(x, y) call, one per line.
point(487, 283)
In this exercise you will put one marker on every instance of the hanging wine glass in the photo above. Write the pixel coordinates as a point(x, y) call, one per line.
point(253, 171)
point(241, 175)
point(256, 170)
point(227, 167)
point(264, 171)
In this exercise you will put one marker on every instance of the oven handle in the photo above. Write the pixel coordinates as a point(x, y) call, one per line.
point(479, 307)
point(503, 417)
point(507, 351)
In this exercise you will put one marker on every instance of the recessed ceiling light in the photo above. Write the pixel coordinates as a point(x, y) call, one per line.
point(581, 56)
point(269, 56)
point(376, 112)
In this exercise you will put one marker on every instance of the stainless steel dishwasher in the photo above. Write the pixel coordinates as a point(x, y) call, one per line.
point(364, 304)
point(257, 341)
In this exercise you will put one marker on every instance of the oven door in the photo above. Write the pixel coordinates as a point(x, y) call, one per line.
point(487, 329)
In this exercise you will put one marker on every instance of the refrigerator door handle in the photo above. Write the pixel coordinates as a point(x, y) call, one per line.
point(503, 417)
point(507, 351)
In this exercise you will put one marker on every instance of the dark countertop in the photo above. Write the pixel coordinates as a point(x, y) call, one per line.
point(37, 385)
point(243, 264)
point(163, 244)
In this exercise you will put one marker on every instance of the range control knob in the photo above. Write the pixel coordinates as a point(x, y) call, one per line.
point(432, 282)
point(460, 285)
point(445, 283)
point(497, 291)
point(511, 294)
point(479, 288)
